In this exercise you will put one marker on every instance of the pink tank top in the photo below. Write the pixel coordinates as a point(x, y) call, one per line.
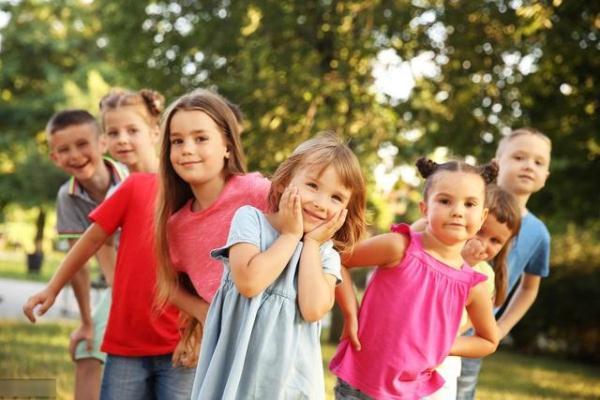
point(408, 321)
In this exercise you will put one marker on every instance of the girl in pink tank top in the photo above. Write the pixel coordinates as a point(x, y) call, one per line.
point(412, 308)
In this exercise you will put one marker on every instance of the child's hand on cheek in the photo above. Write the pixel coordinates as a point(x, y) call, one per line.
point(473, 252)
point(326, 230)
point(290, 213)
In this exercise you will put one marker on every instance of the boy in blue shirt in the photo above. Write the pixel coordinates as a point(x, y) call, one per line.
point(523, 157)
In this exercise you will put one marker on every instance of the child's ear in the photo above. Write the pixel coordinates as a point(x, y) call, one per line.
point(155, 134)
point(102, 143)
point(484, 215)
point(53, 157)
point(423, 208)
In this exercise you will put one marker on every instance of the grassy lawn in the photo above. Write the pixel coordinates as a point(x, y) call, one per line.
point(13, 265)
point(40, 351)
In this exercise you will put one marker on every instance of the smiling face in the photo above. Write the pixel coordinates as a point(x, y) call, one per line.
point(77, 150)
point(131, 140)
point(198, 149)
point(524, 164)
point(454, 207)
point(322, 194)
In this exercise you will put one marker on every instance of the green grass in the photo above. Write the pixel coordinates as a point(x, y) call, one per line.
point(509, 376)
point(40, 351)
point(37, 351)
point(13, 265)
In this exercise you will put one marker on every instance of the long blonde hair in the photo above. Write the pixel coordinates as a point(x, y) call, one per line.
point(174, 192)
point(326, 149)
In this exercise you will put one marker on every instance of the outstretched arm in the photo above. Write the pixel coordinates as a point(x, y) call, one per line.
point(520, 303)
point(486, 337)
point(384, 250)
point(79, 254)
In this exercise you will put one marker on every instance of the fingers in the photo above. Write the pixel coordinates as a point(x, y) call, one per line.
point(353, 337)
point(72, 347)
point(89, 344)
point(28, 309)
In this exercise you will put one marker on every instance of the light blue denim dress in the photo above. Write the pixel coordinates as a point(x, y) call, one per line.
point(261, 347)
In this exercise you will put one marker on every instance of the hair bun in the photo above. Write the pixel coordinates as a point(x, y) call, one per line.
point(154, 100)
point(489, 172)
point(426, 166)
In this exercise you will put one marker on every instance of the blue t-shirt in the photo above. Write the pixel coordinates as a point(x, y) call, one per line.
point(530, 251)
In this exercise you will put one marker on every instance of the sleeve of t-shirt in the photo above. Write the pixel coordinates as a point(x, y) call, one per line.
point(69, 223)
point(111, 212)
point(245, 228)
point(539, 263)
point(331, 261)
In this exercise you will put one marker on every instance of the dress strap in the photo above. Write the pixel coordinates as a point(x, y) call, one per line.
point(415, 242)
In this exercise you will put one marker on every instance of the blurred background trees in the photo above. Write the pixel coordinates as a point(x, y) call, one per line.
point(397, 78)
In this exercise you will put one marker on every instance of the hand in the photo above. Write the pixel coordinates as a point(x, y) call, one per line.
point(473, 252)
point(188, 349)
point(290, 212)
point(43, 299)
point(326, 230)
point(84, 332)
point(350, 331)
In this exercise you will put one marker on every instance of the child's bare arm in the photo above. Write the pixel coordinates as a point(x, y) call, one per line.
point(79, 254)
point(384, 250)
point(315, 287)
point(346, 299)
point(253, 271)
point(189, 303)
point(486, 337)
point(520, 303)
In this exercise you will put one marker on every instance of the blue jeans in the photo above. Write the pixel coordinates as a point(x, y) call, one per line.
point(151, 377)
point(467, 381)
point(343, 391)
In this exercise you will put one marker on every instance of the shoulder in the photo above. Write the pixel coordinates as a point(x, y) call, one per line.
point(141, 179)
point(533, 226)
point(401, 235)
point(64, 189)
point(251, 180)
point(248, 212)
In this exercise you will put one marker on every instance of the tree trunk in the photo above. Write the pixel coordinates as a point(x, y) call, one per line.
point(40, 224)
point(35, 259)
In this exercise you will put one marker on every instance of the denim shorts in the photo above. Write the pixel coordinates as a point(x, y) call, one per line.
point(148, 377)
point(343, 391)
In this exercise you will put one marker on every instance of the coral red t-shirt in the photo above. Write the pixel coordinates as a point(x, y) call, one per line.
point(192, 235)
point(134, 327)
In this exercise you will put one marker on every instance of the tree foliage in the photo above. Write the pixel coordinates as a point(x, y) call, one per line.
point(296, 67)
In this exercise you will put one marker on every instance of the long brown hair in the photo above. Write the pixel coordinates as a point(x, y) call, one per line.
point(174, 192)
point(326, 149)
point(505, 208)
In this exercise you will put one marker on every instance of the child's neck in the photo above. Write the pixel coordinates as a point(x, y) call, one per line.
point(448, 254)
point(207, 193)
point(97, 186)
point(522, 200)
point(149, 165)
